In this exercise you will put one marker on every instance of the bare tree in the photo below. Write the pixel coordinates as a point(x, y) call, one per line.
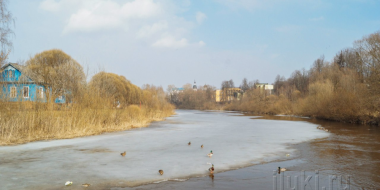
point(244, 85)
point(368, 53)
point(170, 88)
point(252, 85)
point(227, 84)
point(318, 64)
point(300, 80)
point(339, 59)
point(6, 32)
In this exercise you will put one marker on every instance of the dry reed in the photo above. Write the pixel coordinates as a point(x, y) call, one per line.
point(26, 125)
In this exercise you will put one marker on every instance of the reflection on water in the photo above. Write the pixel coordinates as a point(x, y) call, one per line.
point(351, 149)
point(212, 177)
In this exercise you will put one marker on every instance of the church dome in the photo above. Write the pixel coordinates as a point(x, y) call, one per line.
point(195, 85)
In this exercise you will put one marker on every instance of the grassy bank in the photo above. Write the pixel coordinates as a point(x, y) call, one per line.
point(337, 105)
point(27, 125)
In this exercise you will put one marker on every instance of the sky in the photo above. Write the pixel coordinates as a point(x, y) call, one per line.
point(174, 42)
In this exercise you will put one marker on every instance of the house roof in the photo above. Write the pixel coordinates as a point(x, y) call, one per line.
point(25, 72)
point(179, 89)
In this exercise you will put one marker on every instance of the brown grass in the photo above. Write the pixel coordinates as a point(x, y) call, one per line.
point(27, 125)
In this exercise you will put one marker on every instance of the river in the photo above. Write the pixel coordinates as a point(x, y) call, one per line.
point(246, 150)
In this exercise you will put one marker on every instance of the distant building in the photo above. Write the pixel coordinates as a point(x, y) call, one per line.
point(176, 90)
point(268, 88)
point(195, 86)
point(217, 95)
point(228, 94)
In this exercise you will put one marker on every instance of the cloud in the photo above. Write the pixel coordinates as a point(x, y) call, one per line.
point(149, 30)
point(201, 43)
point(317, 19)
point(171, 42)
point(109, 14)
point(252, 5)
point(200, 17)
point(87, 21)
point(156, 23)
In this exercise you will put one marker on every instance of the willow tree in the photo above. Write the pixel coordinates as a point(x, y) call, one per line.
point(58, 72)
point(115, 88)
point(6, 22)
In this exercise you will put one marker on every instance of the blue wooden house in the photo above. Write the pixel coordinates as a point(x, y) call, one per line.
point(19, 85)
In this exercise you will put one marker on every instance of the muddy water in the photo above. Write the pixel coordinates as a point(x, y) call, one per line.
point(349, 150)
point(239, 141)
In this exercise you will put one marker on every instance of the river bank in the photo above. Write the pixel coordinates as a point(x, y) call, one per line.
point(24, 126)
point(334, 108)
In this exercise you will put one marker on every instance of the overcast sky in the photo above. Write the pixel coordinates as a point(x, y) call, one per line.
point(164, 42)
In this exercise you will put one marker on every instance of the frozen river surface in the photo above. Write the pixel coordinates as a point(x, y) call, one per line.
point(237, 141)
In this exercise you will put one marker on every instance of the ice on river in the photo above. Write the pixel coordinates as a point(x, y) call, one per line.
point(235, 140)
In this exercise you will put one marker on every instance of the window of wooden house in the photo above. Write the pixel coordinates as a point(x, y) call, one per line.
point(13, 92)
point(41, 92)
point(26, 91)
point(10, 73)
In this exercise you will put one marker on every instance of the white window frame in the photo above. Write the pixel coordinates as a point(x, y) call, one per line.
point(41, 92)
point(60, 97)
point(23, 91)
point(15, 92)
point(10, 73)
